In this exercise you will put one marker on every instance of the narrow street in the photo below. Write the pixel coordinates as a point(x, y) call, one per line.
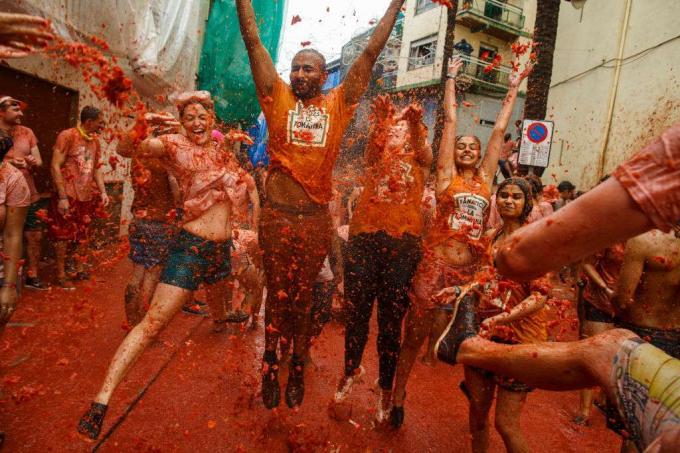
point(196, 391)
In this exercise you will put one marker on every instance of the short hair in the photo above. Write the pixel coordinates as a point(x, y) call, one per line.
point(89, 113)
point(507, 137)
point(313, 52)
point(565, 186)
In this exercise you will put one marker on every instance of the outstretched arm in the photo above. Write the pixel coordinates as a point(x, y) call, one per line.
point(261, 64)
point(493, 148)
point(446, 168)
point(609, 213)
point(359, 74)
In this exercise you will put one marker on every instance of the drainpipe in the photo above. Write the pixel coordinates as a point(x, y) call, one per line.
point(614, 90)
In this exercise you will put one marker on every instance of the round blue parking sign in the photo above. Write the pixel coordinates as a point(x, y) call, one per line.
point(537, 132)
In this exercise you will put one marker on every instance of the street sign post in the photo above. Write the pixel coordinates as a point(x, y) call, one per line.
point(534, 149)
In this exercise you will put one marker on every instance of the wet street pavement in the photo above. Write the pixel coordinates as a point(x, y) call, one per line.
point(197, 391)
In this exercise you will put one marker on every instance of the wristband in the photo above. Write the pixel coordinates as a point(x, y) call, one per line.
point(63, 198)
point(9, 285)
point(449, 76)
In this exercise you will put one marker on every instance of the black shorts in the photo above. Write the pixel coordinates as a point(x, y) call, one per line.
point(594, 314)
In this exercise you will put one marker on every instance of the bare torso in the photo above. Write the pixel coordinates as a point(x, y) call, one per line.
point(214, 224)
point(283, 190)
point(657, 297)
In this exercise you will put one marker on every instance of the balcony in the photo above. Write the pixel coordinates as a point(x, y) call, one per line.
point(493, 81)
point(493, 17)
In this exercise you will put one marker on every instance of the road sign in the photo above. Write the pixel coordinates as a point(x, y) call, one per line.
point(536, 142)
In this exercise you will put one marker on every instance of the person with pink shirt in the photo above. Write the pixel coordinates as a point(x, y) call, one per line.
point(200, 253)
point(15, 198)
point(25, 155)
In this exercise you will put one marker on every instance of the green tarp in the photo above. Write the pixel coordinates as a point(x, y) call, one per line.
point(224, 69)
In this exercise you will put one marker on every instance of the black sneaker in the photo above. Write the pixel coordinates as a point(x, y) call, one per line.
point(36, 283)
point(237, 316)
point(90, 425)
point(462, 326)
point(82, 276)
point(195, 308)
point(295, 389)
point(271, 392)
point(397, 416)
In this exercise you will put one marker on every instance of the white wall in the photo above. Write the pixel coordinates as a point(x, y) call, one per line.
point(647, 94)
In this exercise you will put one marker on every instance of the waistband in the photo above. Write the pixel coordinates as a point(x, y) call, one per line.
point(187, 239)
point(297, 210)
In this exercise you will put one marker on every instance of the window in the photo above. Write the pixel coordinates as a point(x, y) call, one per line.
point(488, 112)
point(422, 52)
point(424, 5)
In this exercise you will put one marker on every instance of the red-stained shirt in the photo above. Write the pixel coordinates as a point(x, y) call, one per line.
point(607, 263)
point(204, 174)
point(14, 190)
point(305, 137)
point(82, 161)
point(652, 179)
point(24, 141)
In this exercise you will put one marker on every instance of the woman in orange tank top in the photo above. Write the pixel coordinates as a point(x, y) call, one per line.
point(512, 313)
point(452, 252)
point(384, 245)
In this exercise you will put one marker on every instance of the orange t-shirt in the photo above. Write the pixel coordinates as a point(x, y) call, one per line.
point(391, 200)
point(462, 208)
point(305, 136)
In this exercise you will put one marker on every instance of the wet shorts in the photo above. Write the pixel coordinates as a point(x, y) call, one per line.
point(647, 383)
point(668, 340)
point(434, 274)
point(35, 221)
point(194, 260)
point(594, 314)
point(75, 225)
point(150, 242)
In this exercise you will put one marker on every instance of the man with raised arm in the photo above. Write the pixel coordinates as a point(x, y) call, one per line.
point(305, 131)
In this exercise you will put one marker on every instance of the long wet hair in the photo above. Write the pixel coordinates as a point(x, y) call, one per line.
point(526, 189)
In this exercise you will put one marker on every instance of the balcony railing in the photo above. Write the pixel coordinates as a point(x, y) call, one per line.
point(496, 79)
point(495, 17)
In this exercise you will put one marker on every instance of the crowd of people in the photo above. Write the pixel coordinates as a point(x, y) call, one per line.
point(456, 250)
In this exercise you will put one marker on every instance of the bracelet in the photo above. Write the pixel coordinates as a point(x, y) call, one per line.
point(9, 285)
point(63, 198)
point(449, 76)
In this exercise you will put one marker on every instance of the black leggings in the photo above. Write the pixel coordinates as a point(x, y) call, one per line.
point(379, 266)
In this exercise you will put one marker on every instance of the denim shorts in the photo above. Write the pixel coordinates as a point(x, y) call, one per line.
point(194, 260)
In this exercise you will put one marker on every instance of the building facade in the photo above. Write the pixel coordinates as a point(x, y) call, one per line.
point(615, 83)
point(484, 29)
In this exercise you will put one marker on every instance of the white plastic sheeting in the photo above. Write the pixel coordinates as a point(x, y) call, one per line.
point(158, 41)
